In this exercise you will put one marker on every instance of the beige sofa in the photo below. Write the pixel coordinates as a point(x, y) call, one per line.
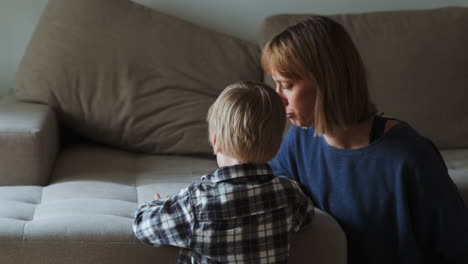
point(110, 107)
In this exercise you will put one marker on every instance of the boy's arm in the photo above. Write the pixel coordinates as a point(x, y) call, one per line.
point(304, 209)
point(166, 222)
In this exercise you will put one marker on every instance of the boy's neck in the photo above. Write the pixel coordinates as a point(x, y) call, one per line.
point(225, 160)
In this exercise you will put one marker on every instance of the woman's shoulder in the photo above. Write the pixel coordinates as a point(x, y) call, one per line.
point(407, 142)
point(402, 131)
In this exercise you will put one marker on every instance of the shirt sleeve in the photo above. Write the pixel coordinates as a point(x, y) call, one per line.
point(439, 215)
point(304, 211)
point(283, 164)
point(166, 221)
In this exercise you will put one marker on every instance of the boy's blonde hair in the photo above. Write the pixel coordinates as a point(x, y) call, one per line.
point(248, 120)
point(322, 48)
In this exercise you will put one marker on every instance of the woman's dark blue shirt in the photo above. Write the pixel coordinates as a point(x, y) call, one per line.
point(393, 198)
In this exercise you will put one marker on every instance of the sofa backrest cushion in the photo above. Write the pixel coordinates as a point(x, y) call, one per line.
point(129, 76)
point(417, 64)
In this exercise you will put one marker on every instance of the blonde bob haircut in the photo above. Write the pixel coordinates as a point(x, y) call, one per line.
point(321, 49)
point(248, 120)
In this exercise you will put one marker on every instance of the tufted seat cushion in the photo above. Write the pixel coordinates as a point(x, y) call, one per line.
point(89, 206)
point(93, 195)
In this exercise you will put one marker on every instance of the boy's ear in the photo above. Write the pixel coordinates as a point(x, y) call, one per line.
point(213, 140)
point(213, 144)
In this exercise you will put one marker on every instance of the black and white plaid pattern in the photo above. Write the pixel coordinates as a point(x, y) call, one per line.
point(239, 214)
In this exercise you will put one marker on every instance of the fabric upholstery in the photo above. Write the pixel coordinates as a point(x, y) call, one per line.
point(84, 253)
point(416, 62)
point(85, 214)
point(29, 143)
point(457, 164)
point(129, 76)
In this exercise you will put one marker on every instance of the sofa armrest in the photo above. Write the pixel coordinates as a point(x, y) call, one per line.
point(322, 242)
point(29, 141)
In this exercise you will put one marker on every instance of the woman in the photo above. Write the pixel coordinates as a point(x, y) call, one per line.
point(385, 184)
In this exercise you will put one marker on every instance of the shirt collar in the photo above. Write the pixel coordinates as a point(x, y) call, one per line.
point(239, 170)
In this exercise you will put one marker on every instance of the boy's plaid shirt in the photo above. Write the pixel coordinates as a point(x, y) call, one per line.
point(239, 214)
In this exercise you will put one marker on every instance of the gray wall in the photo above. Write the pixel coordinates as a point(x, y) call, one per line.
point(239, 18)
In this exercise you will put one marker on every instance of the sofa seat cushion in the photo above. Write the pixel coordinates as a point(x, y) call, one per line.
point(129, 76)
point(95, 191)
point(85, 214)
point(457, 164)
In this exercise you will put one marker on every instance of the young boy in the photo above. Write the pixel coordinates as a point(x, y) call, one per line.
point(241, 213)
